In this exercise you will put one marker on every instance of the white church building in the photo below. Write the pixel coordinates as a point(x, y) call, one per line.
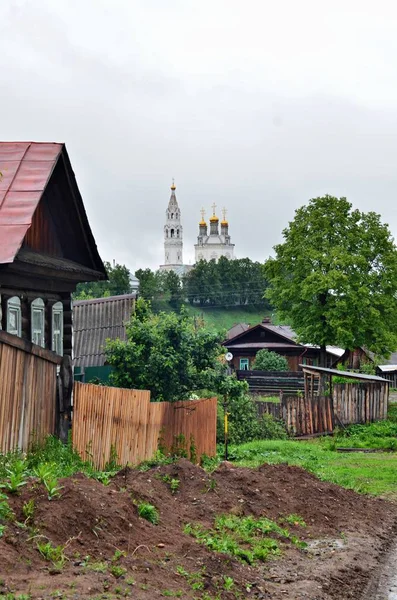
point(209, 246)
point(217, 243)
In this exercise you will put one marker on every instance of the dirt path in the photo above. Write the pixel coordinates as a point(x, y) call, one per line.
point(384, 586)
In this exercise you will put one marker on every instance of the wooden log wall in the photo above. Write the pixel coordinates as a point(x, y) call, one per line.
point(360, 402)
point(27, 392)
point(269, 408)
point(308, 416)
point(106, 418)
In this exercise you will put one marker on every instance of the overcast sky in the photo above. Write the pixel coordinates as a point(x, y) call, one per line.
point(255, 105)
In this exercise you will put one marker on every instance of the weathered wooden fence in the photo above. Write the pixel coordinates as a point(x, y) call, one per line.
point(27, 392)
point(350, 403)
point(302, 416)
point(272, 382)
point(107, 419)
point(360, 402)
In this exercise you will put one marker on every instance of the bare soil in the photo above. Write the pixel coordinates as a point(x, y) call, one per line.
point(346, 535)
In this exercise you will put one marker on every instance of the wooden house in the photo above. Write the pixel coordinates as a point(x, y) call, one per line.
point(275, 338)
point(46, 244)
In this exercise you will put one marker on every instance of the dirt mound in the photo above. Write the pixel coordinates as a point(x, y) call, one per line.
point(107, 548)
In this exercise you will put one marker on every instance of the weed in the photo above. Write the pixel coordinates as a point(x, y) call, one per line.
point(173, 483)
point(211, 487)
point(28, 509)
point(97, 567)
point(117, 571)
point(113, 464)
point(149, 512)
point(195, 579)
point(44, 471)
point(2, 530)
point(104, 477)
point(118, 554)
point(178, 448)
point(193, 450)
point(130, 581)
point(293, 520)
point(228, 582)
point(52, 553)
point(52, 487)
point(6, 513)
point(16, 477)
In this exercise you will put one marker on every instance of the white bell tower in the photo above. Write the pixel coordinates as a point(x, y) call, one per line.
point(173, 233)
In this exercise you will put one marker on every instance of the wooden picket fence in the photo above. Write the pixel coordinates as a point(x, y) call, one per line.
point(108, 420)
point(350, 403)
point(360, 402)
point(27, 392)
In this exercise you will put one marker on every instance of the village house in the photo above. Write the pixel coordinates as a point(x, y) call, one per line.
point(276, 338)
point(46, 244)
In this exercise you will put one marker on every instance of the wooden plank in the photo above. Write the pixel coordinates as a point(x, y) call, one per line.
point(126, 420)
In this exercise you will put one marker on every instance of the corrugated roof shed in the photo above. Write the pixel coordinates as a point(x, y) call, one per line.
point(348, 374)
point(95, 321)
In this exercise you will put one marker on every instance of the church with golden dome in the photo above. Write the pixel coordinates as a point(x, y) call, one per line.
point(215, 244)
point(210, 246)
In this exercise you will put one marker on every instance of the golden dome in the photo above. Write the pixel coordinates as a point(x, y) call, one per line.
point(224, 221)
point(202, 222)
point(173, 186)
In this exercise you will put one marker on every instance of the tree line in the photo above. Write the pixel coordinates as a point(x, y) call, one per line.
point(222, 284)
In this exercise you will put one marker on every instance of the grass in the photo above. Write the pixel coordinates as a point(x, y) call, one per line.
point(245, 538)
point(149, 512)
point(223, 319)
point(365, 473)
point(259, 398)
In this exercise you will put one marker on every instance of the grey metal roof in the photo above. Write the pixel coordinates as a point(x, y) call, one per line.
point(343, 373)
point(95, 321)
point(236, 330)
point(392, 360)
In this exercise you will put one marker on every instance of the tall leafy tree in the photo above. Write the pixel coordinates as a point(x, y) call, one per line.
point(167, 354)
point(118, 283)
point(335, 277)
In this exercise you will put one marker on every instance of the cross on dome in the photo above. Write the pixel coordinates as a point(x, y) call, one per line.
point(214, 217)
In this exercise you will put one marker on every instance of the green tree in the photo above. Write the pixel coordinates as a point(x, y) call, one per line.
point(118, 283)
point(167, 354)
point(335, 277)
point(270, 361)
point(148, 283)
point(173, 286)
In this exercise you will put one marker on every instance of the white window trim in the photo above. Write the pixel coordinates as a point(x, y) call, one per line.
point(14, 303)
point(38, 307)
point(57, 309)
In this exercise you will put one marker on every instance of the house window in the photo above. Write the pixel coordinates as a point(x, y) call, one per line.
point(244, 364)
point(37, 321)
point(57, 328)
point(14, 316)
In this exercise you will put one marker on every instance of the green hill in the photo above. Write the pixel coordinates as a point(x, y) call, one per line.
point(223, 319)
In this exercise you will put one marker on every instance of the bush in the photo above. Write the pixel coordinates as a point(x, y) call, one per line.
point(244, 423)
point(270, 361)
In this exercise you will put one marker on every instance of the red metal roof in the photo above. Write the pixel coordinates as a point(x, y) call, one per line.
point(26, 168)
